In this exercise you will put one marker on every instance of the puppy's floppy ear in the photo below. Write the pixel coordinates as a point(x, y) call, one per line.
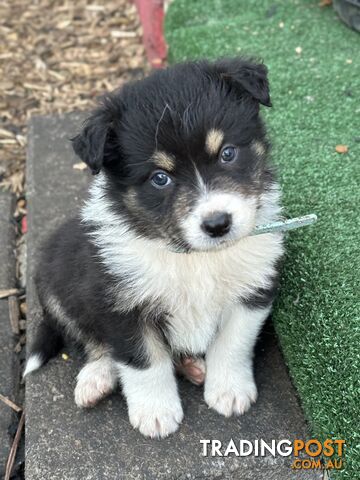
point(93, 143)
point(246, 76)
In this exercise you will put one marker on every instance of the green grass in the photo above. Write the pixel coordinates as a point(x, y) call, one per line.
point(316, 98)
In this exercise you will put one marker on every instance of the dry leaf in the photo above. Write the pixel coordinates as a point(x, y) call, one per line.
point(79, 166)
point(341, 148)
point(325, 3)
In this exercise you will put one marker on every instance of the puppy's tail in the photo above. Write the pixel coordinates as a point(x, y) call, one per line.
point(48, 342)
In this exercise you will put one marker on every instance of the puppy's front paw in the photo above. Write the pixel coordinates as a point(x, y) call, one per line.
point(231, 399)
point(156, 421)
point(95, 381)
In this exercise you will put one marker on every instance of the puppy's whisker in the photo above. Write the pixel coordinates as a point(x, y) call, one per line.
point(158, 124)
point(186, 115)
point(140, 163)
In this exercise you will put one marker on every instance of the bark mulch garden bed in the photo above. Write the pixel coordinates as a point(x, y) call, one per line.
point(57, 57)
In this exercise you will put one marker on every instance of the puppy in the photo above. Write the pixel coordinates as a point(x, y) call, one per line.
point(159, 268)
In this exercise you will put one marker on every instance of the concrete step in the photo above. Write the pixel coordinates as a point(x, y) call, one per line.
point(63, 441)
point(8, 364)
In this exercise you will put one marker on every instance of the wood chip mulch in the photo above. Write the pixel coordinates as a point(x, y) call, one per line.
point(58, 56)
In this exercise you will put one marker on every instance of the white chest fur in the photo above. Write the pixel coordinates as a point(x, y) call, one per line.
point(196, 289)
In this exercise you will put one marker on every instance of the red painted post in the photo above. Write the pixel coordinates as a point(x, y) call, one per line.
point(151, 13)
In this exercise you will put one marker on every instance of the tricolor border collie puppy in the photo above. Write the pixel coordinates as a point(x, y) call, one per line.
point(159, 271)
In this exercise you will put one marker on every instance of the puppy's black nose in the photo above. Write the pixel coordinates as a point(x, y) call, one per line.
point(217, 224)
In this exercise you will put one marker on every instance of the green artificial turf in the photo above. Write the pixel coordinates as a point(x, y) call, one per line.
point(316, 98)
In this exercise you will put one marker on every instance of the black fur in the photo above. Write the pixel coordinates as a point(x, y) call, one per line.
point(49, 338)
point(263, 297)
point(71, 270)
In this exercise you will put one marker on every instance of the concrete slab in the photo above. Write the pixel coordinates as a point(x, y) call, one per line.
point(7, 280)
point(63, 441)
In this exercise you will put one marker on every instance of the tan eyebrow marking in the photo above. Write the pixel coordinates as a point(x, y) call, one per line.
point(213, 141)
point(164, 160)
point(258, 147)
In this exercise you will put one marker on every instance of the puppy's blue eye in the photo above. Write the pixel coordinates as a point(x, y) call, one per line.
point(228, 154)
point(160, 179)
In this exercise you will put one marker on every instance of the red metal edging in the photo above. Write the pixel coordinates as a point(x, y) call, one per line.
point(151, 13)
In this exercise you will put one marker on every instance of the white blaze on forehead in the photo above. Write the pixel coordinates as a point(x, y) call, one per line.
point(200, 181)
point(213, 141)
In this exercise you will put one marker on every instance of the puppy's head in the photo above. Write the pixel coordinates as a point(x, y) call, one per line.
point(183, 152)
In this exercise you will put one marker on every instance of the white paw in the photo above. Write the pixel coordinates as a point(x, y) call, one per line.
point(156, 421)
point(89, 393)
point(230, 399)
point(95, 381)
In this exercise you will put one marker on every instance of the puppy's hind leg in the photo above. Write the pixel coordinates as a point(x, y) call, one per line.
point(192, 368)
point(96, 380)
